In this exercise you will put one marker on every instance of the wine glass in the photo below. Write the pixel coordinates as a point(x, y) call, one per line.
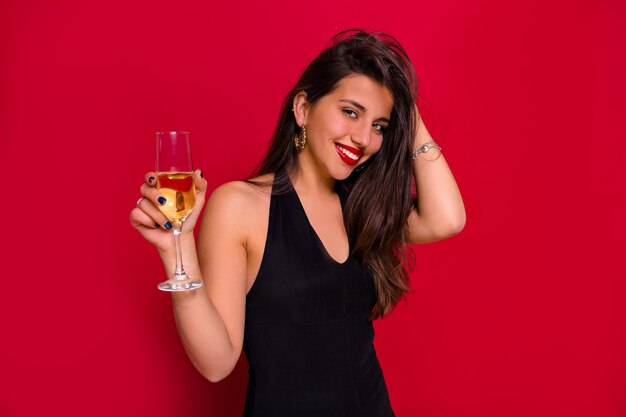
point(175, 182)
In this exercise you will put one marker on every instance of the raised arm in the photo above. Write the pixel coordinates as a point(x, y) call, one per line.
point(440, 212)
point(210, 320)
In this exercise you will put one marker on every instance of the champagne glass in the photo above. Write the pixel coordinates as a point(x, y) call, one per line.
point(175, 182)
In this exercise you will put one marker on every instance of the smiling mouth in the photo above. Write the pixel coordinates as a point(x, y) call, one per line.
point(348, 154)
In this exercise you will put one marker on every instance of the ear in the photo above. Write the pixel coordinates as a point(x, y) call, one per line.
point(301, 108)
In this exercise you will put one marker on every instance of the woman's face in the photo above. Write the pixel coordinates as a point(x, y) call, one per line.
point(345, 127)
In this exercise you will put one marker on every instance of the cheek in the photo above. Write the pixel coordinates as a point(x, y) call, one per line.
point(329, 128)
point(375, 144)
point(338, 126)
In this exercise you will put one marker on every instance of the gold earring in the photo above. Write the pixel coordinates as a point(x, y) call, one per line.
point(300, 140)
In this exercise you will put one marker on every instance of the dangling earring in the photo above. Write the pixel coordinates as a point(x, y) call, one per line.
point(300, 140)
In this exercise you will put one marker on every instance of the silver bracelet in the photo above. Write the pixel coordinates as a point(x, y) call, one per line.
point(425, 148)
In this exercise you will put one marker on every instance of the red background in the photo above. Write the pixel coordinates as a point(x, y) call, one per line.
point(522, 314)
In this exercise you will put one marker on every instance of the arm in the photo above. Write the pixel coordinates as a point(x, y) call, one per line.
point(210, 320)
point(440, 212)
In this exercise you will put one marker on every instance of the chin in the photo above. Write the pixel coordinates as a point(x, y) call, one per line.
point(342, 174)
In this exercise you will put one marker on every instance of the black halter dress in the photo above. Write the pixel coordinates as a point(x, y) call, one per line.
point(307, 338)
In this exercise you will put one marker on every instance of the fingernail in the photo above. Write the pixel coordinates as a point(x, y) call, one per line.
point(156, 225)
point(151, 179)
point(161, 200)
point(201, 174)
point(168, 225)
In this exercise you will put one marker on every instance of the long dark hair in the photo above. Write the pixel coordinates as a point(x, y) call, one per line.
point(380, 195)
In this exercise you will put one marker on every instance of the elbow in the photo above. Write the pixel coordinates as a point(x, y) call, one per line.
point(214, 369)
point(452, 228)
point(216, 375)
point(214, 379)
point(213, 376)
point(459, 225)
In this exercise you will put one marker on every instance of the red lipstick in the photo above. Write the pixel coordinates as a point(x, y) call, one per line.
point(348, 154)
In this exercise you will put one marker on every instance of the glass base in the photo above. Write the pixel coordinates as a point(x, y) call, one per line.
point(180, 283)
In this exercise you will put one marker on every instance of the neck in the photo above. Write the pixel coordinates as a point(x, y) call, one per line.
point(310, 180)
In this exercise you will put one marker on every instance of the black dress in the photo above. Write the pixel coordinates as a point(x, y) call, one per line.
point(307, 338)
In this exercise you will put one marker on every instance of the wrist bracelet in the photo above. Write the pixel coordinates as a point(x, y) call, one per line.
point(425, 148)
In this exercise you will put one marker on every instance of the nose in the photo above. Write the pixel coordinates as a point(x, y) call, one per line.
point(361, 135)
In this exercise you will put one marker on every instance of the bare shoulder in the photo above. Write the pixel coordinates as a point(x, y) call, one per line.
point(238, 195)
point(239, 205)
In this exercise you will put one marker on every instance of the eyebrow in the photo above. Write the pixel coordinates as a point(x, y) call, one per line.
point(362, 108)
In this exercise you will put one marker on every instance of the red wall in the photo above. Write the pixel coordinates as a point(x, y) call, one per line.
point(522, 314)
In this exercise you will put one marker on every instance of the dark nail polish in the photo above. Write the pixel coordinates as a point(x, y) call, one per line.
point(161, 200)
point(156, 225)
point(201, 174)
point(168, 225)
point(151, 180)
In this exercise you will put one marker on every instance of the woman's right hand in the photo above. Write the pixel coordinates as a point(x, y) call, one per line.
point(152, 224)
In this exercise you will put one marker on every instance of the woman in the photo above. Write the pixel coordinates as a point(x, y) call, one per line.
point(299, 260)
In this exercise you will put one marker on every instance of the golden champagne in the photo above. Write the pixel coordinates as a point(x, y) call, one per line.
point(179, 190)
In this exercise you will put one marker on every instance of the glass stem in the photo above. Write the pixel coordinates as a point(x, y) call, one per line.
point(179, 273)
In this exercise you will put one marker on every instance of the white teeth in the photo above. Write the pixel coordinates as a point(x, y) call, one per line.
point(348, 153)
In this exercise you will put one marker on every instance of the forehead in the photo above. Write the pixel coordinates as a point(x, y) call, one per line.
point(376, 98)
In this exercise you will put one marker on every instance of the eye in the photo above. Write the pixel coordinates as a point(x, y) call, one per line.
point(380, 128)
point(350, 113)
